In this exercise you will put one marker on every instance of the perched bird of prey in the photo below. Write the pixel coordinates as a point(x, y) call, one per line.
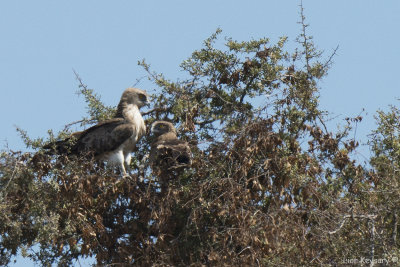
point(167, 151)
point(112, 140)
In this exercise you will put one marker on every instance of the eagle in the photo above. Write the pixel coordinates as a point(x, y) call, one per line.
point(167, 152)
point(112, 140)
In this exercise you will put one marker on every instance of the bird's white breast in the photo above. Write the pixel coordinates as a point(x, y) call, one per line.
point(139, 128)
point(114, 158)
point(122, 153)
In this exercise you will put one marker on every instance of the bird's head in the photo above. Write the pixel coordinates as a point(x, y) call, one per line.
point(135, 96)
point(161, 127)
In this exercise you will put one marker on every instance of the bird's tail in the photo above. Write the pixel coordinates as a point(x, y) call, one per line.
point(62, 147)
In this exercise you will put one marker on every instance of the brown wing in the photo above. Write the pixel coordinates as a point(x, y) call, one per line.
point(100, 138)
point(103, 137)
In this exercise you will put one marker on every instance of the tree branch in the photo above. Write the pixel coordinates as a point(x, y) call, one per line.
point(369, 217)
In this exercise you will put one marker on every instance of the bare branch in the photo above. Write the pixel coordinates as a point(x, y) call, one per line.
point(79, 79)
point(138, 80)
point(329, 61)
point(157, 109)
point(86, 121)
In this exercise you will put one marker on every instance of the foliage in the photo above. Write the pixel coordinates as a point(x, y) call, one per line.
point(270, 184)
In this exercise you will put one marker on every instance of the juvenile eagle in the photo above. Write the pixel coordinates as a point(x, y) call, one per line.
point(167, 151)
point(112, 140)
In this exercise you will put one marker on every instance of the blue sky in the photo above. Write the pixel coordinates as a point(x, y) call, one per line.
point(43, 41)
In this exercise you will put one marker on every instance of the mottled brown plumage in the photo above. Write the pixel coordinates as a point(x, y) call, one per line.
point(168, 153)
point(113, 140)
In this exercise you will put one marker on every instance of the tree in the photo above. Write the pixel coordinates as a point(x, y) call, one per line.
point(270, 184)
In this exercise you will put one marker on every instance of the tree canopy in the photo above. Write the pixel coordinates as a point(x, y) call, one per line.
point(270, 183)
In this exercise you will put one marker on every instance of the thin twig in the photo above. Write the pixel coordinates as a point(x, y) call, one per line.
point(369, 217)
point(88, 121)
point(156, 109)
point(328, 62)
point(138, 80)
point(79, 79)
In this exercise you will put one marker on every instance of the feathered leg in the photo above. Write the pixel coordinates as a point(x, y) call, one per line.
point(126, 163)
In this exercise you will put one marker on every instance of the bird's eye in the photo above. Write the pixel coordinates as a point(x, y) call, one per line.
point(142, 97)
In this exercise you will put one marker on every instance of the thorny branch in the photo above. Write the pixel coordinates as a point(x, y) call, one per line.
point(304, 36)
